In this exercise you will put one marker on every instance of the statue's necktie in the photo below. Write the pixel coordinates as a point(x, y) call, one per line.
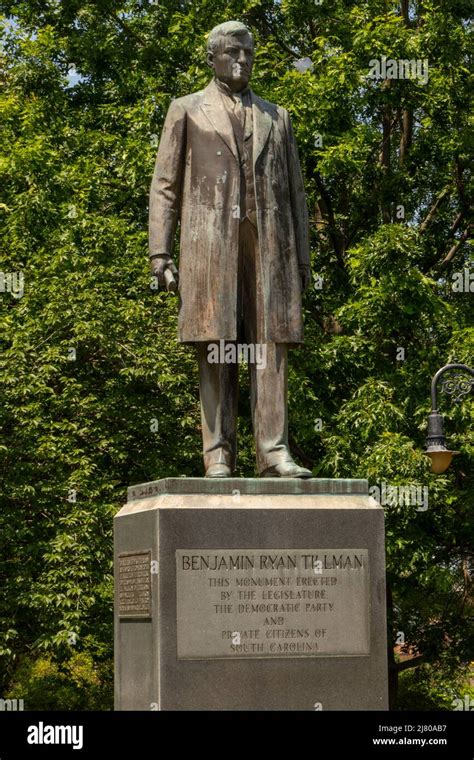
point(239, 111)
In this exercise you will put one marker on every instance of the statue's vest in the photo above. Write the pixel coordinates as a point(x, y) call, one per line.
point(244, 140)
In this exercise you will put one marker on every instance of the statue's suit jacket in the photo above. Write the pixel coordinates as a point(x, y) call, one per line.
point(197, 182)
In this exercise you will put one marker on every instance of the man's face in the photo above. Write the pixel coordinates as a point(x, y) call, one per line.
point(232, 60)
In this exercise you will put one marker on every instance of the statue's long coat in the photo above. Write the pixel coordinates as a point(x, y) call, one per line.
point(196, 181)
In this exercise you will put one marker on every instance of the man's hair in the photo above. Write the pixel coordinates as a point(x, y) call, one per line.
point(225, 30)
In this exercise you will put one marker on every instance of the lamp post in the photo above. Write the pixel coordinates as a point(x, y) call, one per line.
point(457, 385)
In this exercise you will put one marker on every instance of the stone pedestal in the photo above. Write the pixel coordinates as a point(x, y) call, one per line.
point(250, 594)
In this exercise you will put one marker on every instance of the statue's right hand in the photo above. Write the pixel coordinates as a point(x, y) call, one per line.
point(164, 269)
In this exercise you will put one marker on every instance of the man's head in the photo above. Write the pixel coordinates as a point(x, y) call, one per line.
point(230, 52)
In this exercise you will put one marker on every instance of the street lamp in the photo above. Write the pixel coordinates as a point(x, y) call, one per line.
point(457, 385)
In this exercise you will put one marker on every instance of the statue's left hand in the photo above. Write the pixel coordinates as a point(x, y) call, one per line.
point(162, 267)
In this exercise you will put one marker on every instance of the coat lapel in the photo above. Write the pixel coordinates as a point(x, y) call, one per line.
point(213, 107)
point(214, 110)
point(262, 124)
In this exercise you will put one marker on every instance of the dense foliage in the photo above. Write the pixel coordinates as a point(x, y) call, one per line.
point(95, 392)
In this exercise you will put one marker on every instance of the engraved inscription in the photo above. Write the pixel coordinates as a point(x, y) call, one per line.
point(272, 603)
point(134, 584)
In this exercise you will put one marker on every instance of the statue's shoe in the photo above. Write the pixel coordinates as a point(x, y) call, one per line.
point(286, 470)
point(218, 471)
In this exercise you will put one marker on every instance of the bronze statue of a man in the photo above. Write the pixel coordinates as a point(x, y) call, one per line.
point(228, 170)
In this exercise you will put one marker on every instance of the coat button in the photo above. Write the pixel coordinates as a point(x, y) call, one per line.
point(219, 153)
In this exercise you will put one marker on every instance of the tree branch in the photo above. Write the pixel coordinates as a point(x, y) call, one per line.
point(439, 199)
point(406, 138)
point(384, 158)
point(126, 29)
point(412, 663)
point(280, 42)
point(312, 28)
point(326, 209)
point(460, 185)
point(454, 249)
point(386, 134)
point(404, 7)
point(456, 223)
point(406, 125)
